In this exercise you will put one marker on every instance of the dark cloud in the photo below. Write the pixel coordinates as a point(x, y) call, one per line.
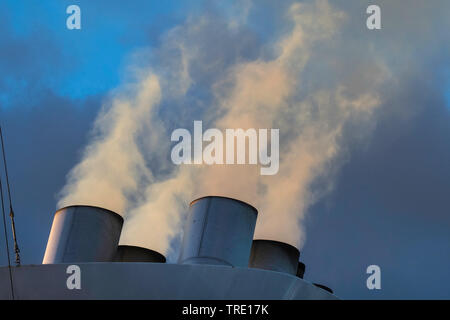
point(43, 142)
point(390, 205)
point(29, 63)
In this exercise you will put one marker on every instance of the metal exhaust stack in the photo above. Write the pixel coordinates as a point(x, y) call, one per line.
point(301, 270)
point(83, 234)
point(275, 256)
point(218, 231)
point(126, 253)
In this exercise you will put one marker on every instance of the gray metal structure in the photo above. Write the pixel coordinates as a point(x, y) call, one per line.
point(161, 281)
point(83, 261)
point(275, 256)
point(126, 253)
point(218, 231)
point(83, 234)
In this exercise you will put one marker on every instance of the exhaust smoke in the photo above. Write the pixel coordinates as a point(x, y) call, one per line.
point(228, 84)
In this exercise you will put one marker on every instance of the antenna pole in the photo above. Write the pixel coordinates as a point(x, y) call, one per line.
point(6, 240)
point(11, 211)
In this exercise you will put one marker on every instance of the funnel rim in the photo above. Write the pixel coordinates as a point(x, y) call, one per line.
point(224, 197)
point(88, 206)
point(285, 244)
point(151, 251)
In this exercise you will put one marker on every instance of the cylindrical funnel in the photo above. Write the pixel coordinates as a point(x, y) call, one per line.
point(275, 256)
point(127, 253)
point(83, 234)
point(218, 231)
point(301, 270)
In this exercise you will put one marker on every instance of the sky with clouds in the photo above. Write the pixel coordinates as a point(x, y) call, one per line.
point(388, 203)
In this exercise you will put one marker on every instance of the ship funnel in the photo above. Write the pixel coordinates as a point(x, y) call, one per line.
point(301, 269)
point(126, 253)
point(218, 231)
point(275, 256)
point(83, 234)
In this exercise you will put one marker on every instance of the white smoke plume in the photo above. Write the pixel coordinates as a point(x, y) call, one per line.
point(281, 84)
point(112, 164)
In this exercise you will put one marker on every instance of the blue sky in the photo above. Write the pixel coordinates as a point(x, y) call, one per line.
point(390, 202)
point(89, 60)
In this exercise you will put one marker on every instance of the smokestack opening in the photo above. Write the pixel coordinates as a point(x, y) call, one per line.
point(275, 256)
point(301, 269)
point(126, 253)
point(219, 231)
point(321, 286)
point(83, 234)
